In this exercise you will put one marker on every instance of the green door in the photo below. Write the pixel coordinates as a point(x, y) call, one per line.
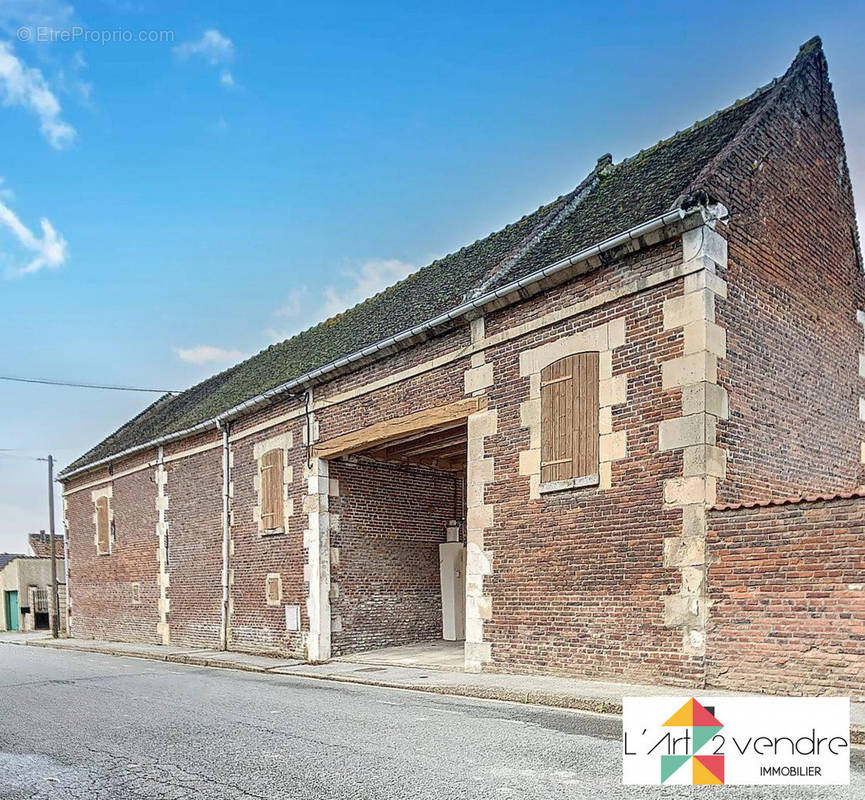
point(11, 611)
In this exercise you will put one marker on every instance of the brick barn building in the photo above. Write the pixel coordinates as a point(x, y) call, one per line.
point(621, 437)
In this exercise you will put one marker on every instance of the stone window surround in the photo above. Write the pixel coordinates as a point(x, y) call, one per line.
point(612, 391)
point(103, 491)
point(277, 579)
point(284, 442)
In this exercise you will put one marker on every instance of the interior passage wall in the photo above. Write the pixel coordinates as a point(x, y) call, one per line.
point(385, 582)
point(787, 584)
point(115, 596)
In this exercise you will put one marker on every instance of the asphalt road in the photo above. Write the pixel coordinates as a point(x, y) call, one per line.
point(80, 725)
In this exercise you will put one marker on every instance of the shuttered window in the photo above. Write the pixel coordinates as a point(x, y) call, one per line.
point(272, 508)
point(569, 419)
point(103, 526)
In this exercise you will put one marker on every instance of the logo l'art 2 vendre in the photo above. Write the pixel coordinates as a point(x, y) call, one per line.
point(736, 740)
point(706, 768)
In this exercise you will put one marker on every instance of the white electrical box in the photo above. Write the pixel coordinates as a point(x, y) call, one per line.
point(292, 618)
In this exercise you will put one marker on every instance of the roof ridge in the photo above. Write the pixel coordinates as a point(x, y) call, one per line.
point(757, 93)
point(814, 44)
point(572, 200)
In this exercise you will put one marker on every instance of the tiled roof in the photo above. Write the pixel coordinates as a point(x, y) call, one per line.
point(40, 544)
point(6, 558)
point(789, 501)
point(612, 199)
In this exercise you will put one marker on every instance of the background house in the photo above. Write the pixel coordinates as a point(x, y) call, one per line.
point(25, 586)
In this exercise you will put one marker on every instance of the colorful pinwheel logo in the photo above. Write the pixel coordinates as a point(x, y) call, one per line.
point(706, 769)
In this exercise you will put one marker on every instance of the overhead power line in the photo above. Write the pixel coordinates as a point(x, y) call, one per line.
point(50, 382)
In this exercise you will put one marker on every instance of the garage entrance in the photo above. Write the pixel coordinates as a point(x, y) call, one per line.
point(398, 555)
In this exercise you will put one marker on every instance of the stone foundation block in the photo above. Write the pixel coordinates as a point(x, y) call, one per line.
point(687, 610)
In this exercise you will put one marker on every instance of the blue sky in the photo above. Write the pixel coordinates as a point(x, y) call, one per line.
point(208, 194)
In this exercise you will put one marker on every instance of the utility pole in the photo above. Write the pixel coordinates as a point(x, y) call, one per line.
point(55, 598)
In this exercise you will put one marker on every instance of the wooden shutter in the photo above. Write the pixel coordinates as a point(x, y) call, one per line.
point(569, 418)
point(272, 515)
point(103, 526)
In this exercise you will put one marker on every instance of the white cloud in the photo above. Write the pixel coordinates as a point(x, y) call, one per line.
point(25, 86)
point(293, 303)
point(6, 193)
point(50, 251)
point(52, 14)
point(216, 49)
point(205, 354)
point(370, 278)
point(213, 46)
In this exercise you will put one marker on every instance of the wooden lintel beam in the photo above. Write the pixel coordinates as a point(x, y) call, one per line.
point(429, 444)
point(396, 446)
point(375, 435)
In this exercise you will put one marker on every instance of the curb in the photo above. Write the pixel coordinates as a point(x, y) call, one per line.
point(547, 699)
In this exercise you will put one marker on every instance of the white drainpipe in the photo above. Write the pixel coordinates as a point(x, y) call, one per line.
point(226, 529)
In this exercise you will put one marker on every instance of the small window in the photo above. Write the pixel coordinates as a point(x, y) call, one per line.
point(271, 492)
point(103, 526)
point(273, 589)
point(569, 421)
point(136, 594)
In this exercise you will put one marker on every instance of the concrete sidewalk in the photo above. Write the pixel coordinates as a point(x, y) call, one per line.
point(597, 696)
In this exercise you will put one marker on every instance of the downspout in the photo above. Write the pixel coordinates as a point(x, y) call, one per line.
point(67, 616)
point(226, 530)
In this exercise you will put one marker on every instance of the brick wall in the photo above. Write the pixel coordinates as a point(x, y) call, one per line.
point(255, 625)
point(385, 582)
point(788, 613)
point(102, 591)
point(194, 515)
point(792, 370)
point(578, 582)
